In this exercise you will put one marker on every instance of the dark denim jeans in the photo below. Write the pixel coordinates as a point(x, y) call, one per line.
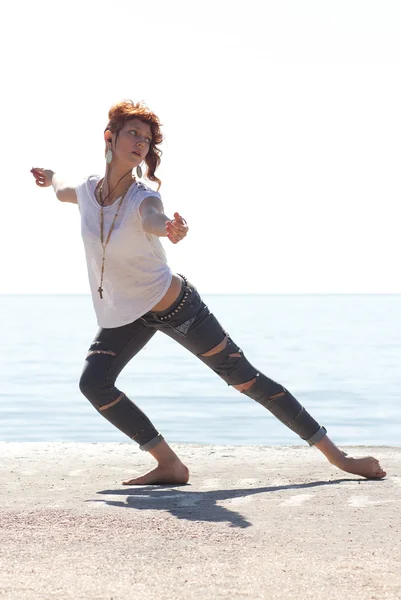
point(190, 323)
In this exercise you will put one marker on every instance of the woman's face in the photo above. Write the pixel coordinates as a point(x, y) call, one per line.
point(133, 142)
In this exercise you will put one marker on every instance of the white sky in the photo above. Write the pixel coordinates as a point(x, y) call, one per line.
point(283, 136)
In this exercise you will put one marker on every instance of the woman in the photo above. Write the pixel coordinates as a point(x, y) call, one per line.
point(135, 294)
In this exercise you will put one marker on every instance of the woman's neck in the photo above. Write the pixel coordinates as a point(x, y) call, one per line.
point(115, 182)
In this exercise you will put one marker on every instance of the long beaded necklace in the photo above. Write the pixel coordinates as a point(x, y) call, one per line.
point(104, 243)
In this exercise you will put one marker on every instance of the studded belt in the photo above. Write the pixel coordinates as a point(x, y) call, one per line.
point(184, 299)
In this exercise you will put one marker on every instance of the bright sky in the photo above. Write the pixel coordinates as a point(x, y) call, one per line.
point(283, 136)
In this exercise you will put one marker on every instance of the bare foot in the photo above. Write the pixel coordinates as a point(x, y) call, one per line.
point(175, 472)
point(367, 466)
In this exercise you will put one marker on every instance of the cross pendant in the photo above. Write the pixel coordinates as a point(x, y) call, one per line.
point(100, 290)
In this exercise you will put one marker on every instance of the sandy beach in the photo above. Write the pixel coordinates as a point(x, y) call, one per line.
point(254, 522)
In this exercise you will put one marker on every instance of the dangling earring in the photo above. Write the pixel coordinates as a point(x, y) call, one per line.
point(109, 156)
point(139, 171)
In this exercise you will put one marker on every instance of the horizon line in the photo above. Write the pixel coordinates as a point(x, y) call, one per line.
point(30, 294)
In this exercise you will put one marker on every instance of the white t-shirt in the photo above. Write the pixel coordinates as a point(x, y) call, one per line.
point(136, 274)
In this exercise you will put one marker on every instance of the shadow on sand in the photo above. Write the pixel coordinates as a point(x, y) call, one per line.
point(198, 506)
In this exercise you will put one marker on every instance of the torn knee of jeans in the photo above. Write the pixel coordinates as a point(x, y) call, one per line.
point(242, 387)
point(267, 391)
point(110, 404)
point(280, 394)
point(92, 352)
point(219, 348)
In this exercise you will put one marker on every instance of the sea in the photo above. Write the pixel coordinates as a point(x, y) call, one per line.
point(339, 355)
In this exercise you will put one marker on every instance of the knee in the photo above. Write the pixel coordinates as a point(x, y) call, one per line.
point(263, 390)
point(91, 385)
point(85, 385)
point(242, 387)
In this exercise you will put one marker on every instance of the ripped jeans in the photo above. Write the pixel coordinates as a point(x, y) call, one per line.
point(190, 323)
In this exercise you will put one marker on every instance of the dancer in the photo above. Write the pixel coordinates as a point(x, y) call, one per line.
point(135, 294)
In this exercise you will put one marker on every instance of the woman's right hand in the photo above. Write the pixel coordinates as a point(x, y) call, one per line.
point(43, 177)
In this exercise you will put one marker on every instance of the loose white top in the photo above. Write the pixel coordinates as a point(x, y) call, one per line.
point(136, 274)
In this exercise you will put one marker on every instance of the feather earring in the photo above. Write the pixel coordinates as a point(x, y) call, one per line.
point(109, 156)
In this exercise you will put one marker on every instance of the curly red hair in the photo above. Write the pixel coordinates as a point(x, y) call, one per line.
point(121, 112)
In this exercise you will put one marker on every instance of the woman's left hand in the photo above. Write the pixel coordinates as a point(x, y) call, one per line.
point(176, 229)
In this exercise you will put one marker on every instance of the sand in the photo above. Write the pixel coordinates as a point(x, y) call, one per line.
point(254, 522)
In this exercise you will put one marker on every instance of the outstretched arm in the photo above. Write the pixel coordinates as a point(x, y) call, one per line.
point(155, 221)
point(46, 178)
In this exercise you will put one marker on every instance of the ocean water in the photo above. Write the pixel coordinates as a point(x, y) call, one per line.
point(338, 354)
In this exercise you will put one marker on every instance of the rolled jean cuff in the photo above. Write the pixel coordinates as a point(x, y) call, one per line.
point(317, 437)
point(152, 443)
